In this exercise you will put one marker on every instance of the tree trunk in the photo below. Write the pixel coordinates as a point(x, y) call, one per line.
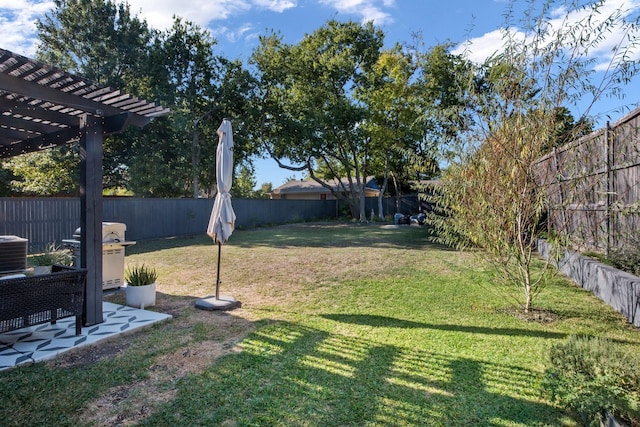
point(359, 187)
point(395, 185)
point(380, 207)
point(195, 159)
point(527, 294)
point(384, 187)
point(363, 214)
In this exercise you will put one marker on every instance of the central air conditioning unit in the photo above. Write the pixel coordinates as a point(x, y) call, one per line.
point(13, 254)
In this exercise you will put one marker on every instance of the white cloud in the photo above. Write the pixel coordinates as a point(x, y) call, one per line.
point(275, 5)
point(159, 13)
point(367, 10)
point(245, 31)
point(18, 24)
point(480, 48)
point(603, 51)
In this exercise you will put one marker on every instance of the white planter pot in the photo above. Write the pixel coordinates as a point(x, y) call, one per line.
point(41, 269)
point(141, 296)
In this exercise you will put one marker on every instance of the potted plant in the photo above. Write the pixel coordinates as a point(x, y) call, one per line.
point(141, 286)
point(52, 254)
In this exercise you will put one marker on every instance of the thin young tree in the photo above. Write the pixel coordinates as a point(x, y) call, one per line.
point(491, 197)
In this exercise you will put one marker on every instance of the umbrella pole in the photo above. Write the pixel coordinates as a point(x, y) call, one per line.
point(217, 303)
point(218, 272)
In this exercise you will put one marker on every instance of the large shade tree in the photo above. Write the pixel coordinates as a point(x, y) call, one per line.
point(104, 42)
point(393, 104)
point(415, 109)
point(310, 116)
point(201, 88)
point(167, 159)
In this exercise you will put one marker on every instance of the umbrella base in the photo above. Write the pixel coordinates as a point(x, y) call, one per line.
point(225, 302)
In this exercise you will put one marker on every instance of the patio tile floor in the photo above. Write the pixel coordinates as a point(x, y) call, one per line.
point(44, 342)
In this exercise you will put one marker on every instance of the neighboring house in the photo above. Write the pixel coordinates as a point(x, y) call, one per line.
point(311, 190)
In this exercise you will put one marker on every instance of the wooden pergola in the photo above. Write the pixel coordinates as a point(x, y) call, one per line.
point(43, 107)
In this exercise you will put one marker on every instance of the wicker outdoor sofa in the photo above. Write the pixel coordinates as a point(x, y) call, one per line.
point(33, 300)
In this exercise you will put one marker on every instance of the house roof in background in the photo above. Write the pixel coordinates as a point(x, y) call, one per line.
point(41, 106)
point(311, 186)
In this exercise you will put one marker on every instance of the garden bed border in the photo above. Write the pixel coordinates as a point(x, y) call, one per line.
point(619, 289)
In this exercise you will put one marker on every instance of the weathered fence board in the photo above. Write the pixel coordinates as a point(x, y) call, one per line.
point(593, 186)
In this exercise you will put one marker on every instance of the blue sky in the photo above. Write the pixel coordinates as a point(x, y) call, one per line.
point(236, 24)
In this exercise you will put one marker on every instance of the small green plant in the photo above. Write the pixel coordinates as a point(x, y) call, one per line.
point(592, 376)
point(596, 255)
point(52, 254)
point(140, 275)
point(626, 259)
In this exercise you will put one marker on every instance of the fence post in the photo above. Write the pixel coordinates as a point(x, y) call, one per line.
point(558, 179)
point(608, 152)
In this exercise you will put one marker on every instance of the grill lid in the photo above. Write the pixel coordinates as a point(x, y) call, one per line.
point(111, 232)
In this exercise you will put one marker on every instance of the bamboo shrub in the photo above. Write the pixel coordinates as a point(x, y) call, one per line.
point(491, 196)
point(492, 202)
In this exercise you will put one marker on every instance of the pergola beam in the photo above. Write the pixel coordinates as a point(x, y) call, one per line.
point(29, 109)
point(54, 139)
point(11, 83)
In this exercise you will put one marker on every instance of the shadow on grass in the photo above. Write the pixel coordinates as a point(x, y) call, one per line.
point(305, 235)
point(336, 235)
point(152, 245)
point(391, 322)
point(59, 391)
point(291, 375)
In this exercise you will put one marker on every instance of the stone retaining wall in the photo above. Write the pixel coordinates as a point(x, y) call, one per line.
point(617, 288)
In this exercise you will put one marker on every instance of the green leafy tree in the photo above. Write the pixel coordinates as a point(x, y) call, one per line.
point(237, 97)
point(442, 80)
point(102, 41)
point(309, 112)
point(567, 128)
point(173, 156)
point(6, 176)
point(98, 39)
point(201, 89)
point(45, 173)
point(394, 108)
point(244, 182)
point(264, 190)
point(414, 108)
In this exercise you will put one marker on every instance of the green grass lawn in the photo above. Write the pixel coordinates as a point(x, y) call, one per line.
point(341, 325)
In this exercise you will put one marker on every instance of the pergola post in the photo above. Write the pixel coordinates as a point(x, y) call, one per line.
point(45, 107)
point(91, 131)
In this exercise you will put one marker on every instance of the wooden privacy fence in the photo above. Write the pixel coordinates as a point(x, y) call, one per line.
point(49, 220)
point(593, 186)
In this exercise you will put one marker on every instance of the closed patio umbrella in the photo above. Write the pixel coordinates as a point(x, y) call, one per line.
point(223, 218)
